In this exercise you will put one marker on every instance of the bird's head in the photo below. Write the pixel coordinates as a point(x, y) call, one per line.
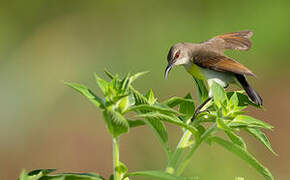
point(177, 55)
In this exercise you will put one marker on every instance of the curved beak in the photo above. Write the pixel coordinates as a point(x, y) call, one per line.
point(168, 68)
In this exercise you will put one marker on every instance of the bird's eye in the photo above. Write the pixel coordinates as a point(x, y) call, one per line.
point(176, 55)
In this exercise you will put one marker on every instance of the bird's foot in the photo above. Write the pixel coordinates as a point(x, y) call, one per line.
point(196, 113)
point(198, 110)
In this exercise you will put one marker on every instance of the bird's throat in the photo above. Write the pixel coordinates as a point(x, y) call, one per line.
point(194, 70)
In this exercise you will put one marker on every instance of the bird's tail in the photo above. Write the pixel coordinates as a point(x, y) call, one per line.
point(254, 96)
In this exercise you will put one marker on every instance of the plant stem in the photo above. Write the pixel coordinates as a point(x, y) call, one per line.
point(174, 158)
point(187, 158)
point(116, 160)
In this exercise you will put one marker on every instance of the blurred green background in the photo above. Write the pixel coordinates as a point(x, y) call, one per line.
point(44, 43)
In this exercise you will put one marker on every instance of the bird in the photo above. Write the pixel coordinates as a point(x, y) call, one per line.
point(206, 61)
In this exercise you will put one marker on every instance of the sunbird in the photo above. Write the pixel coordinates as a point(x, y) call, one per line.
point(206, 61)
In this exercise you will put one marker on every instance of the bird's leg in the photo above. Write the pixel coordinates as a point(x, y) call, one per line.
point(198, 109)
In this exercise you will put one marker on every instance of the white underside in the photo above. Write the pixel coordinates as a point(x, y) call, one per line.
point(222, 78)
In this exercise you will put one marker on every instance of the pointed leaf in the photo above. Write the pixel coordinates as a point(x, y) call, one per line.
point(158, 127)
point(24, 176)
point(154, 108)
point(219, 94)
point(123, 104)
point(116, 123)
point(74, 176)
point(43, 175)
point(103, 85)
point(187, 108)
point(159, 175)
point(234, 99)
point(137, 75)
point(150, 97)
point(174, 101)
point(248, 121)
point(87, 93)
point(35, 174)
point(222, 125)
point(260, 136)
point(139, 98)
point(236, 139)
point(41, 171)
point(202, 92)
point(243, 154)
point(125, 82)
point(243, 99)
point(170, 119)
point(136, 123)
point(109, 74)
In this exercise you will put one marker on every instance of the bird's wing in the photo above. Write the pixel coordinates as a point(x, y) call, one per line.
point(230, 41)
point(220, 63)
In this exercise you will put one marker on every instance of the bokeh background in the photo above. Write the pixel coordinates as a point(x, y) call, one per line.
point(44, 124)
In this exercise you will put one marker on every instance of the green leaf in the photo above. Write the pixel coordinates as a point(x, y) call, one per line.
point(137, 75)
point(103, 85)
point(154, 108)
point(114, 88)
point(41, 171)
point(243, 99)
point(234, 101)
point(243, 154)
point(123, 104)
point(125, 82)
point(239, 178)
point(158, 127)
point(122, 169)
point(219, 94)
point(42, 174)
point(111, 177)
point(87, 93)
point(187, 108)
point(236, 139)
point(159, 175)
point(248, 121)
point(174, 101)
point(24, 176)
point(150, 97)
point(222, 125)
point(201, 129)
point(109, 74)
point(73, 176)
point(139, 98)
point(202, 92)
point(136, 123)
point(229, 132)
point(162, 117)
point(116, 123)
point(35, 174)
point(205, 117)
point(260, 136)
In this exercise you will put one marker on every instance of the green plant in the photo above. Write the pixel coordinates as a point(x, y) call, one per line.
point(225, 113)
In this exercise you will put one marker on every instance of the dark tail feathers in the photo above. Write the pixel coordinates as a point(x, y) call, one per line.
point(254, 96)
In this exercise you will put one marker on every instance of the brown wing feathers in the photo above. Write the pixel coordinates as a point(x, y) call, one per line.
point(233, 41)
point(210, 55)
point(221, 63)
